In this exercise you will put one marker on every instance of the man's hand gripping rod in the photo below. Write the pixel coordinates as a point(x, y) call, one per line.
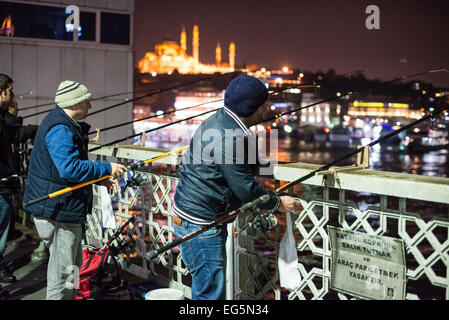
point(81, 185)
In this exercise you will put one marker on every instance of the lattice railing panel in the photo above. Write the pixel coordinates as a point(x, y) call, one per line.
point(150, 202)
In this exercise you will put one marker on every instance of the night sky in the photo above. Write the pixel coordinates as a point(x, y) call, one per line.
point(311, 35)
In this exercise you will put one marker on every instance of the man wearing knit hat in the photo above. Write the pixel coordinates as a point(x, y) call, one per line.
point(59, 160)
point(215, 180)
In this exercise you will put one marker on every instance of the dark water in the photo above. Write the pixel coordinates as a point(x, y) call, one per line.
point(434, 163)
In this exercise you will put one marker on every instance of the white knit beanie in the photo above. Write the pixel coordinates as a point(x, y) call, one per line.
point(71, 93)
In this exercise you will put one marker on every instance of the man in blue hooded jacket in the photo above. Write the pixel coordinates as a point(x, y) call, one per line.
point(217, 176)
point(59, 160)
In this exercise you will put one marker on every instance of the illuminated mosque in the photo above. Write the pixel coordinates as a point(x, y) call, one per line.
point(169, 56)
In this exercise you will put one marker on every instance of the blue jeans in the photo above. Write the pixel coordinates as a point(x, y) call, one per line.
point(5, 219)
point(205, 258)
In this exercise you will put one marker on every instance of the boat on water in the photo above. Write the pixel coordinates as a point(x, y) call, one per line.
point(427, 140)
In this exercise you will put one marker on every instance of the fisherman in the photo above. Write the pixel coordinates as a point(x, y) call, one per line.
point(29, 132)
point(218, 179)
point(11, 132)
point(59, 160)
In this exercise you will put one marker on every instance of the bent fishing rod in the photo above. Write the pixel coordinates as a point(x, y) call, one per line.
point(250, 206)
point(131, 167)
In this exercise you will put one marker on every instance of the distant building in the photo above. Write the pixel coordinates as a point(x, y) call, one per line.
point(169, 56)
point(323, 114)
point(386, 110)
point(39, 50)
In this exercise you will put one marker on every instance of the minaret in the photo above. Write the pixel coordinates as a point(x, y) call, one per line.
point(232, 56)
point(183, 41)
point(196, 44)
point(218, 55)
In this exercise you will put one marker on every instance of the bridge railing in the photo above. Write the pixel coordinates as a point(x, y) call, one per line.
point(412, 208)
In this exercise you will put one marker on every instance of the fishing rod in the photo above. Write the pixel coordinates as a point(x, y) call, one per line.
point(94, 99)
point(69, 189)
point(20, 96)
point(118, 232)
point(151, 130)
point(274, 92)
point(312, 84)
point(251, 206)
point(141, 97)
point(349, 93)
point(256, 203)
point(131, 167)
point(160, 127)
point(163, 126)
point(161, 91)
point(154, 116)
point(167, 113)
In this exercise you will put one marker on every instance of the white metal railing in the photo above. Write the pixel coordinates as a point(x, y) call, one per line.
point(395, 208)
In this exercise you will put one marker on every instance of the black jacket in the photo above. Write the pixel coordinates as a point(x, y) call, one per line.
point(11, 132)
point(214, 179)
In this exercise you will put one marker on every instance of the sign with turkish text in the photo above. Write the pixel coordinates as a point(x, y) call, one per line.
point(367, 266)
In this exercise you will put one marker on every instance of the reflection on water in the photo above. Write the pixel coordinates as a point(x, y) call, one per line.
point(434, 163)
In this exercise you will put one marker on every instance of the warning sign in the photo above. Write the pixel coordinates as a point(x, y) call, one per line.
point(366, 266)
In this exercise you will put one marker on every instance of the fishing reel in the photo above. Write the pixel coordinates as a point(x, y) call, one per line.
point(256, 221)
point(125, 247)
point(136, 180)
point(264, 222)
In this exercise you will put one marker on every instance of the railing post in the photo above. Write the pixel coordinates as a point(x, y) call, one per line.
point(230, 267)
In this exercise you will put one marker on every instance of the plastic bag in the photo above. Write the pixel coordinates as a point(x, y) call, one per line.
point(289, 275)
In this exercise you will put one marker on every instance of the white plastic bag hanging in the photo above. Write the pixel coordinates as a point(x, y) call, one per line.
point(289, 275)
point(107, 213)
